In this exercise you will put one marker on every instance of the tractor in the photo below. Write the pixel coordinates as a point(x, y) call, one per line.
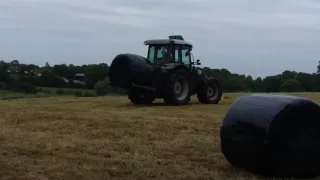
point(168, 72)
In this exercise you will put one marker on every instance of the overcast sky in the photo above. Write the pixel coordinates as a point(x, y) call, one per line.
point(256, 37)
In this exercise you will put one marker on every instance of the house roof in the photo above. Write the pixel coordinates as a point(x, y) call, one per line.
point(79, 74)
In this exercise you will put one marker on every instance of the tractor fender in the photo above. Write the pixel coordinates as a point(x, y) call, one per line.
point(204, 77)
point(165, 71)
point(171, 67)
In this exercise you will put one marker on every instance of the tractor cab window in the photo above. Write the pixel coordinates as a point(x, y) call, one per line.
point(186, 59)
point(159, 53)
point(151, 54)
point(164, 53)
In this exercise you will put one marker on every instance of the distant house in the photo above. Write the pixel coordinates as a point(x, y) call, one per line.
point(64, 79)
point(36, 72)
point(14, 69)
point(79, 78)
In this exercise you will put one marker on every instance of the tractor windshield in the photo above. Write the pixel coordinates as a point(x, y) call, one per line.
point(159, 53)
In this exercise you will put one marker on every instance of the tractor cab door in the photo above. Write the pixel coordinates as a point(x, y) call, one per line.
point(181, 55)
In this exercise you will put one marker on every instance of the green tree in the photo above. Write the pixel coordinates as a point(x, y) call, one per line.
point(291, 85)
point(272, 83)
point(102, 87)
point(307, 81)
point(49, 79)
point(4, 75)
point(289, 75)
point(14, 62)
point(61, 70)
point(95, 73)
point(258, 85)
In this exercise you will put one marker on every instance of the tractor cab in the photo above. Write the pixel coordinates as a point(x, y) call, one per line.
point(172, 50)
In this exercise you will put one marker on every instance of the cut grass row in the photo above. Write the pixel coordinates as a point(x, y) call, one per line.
point(53, 92)
point(47, 92)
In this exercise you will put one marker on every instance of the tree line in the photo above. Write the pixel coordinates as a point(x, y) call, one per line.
point(287, 81)
point(27, 77)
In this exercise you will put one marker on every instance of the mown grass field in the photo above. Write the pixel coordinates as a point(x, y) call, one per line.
point(46, 92)
point(65, 91)
point(8, 95)
point(95, 138)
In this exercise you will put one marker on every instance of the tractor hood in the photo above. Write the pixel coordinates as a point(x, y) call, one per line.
point(128, 69)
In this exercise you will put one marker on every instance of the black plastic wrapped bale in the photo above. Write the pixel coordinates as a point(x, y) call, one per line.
point(273, 135)
point(127, 69)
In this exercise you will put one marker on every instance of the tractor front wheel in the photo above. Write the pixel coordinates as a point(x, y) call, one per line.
point(177, 91)
point(138, 96)
point(210, 92)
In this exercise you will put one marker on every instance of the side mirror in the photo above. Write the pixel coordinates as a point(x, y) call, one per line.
point(187, 53)
point(198, 62)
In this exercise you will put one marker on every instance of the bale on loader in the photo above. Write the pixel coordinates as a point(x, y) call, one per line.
point(276, 135)
point(126, 69)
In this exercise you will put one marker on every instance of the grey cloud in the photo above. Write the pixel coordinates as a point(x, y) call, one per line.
point(252, 37)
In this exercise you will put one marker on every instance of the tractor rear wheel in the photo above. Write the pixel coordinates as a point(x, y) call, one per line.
point(177, 88)
point(139, 96)
point(210, 92)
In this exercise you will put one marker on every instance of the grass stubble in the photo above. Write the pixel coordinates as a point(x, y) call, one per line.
point(108, 138)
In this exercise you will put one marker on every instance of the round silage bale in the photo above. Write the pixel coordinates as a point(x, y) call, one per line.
point(277, 135)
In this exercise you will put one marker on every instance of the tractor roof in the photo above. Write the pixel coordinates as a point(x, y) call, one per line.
point(167, 41)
